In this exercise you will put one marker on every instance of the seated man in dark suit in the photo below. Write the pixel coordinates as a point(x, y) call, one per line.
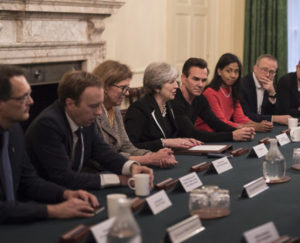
point(288, 93)
point(64, 137)
point(258, 95)
point(18, 179)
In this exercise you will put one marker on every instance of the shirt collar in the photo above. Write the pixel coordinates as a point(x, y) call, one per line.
point(72, 124)
point(257, 84)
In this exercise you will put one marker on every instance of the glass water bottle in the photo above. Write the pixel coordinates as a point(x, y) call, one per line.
point(124, 229)
point(274, 163)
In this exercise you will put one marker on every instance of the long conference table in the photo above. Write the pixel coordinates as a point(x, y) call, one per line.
point(280, 203)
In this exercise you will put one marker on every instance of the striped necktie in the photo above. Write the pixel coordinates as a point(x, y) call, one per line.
point(79, 151)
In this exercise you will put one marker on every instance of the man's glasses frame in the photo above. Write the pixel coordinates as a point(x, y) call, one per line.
point(22, 98)
point(266, 70)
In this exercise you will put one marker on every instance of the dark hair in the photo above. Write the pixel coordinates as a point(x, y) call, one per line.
point(193, 62)
point(6, 73)
point(216, 82)
point(73, 84)
point(112, 72)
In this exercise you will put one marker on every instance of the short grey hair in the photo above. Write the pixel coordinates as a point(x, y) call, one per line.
point(157, 74)
point(268, 56)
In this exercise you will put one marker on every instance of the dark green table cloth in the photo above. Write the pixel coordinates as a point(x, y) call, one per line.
point(280, 203)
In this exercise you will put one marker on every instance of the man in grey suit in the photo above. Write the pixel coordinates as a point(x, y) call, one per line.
point(23, 195)
point(64, 137)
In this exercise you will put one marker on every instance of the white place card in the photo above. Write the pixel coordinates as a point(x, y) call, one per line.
point(255, 187)
point(221, 165)
point(260, 150)
point(185, 229)
point(283, 139)
point(158, 202)
point(190, 181)
point(265, 233)
point(101, 230)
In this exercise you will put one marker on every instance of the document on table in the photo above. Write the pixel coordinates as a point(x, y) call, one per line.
point(215, 148)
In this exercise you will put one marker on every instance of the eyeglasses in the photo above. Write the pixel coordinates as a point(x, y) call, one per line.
point(24, 98)
point(123, 88)
point(266, 70)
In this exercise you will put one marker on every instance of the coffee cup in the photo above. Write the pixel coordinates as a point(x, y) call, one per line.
point(141, 184)
point(292, 122)
point(112, 203)
point(295, 134)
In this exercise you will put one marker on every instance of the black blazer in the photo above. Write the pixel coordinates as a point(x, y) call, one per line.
point(49, 142)
point(144, 123)
point(27, 185)
point(249, 101)
point(287, 95)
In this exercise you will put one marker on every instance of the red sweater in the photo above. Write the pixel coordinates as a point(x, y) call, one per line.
point(223, 108)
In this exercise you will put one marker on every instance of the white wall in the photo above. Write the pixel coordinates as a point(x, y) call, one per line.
point(141, 31)
point(136, 35)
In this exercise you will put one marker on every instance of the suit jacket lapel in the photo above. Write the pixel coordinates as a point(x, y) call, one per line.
point(105, 126)
point(252, 88)
point(69, 137)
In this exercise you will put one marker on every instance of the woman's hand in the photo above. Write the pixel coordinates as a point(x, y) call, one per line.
point(181, 142)
point(163, 158)
point(263, 126)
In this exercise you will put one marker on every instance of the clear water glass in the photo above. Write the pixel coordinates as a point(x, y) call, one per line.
point(296, 156)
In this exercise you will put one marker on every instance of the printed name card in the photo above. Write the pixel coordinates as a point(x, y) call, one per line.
point(283, 139)
point(264, 233)
point(260, 150)
point(255, 187)
point(101, 230)
point(221, 165)
point(158, 202)
point(185, 229)
point(190, 181)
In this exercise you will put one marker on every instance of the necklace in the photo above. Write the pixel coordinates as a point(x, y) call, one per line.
point(164, 111)
point(226, 95)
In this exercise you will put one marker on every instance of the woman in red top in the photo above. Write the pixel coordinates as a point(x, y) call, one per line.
point(223, 97)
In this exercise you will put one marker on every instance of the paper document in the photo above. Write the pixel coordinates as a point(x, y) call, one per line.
point(208, 147)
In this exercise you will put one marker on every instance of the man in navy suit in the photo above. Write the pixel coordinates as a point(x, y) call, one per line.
point(54, 136)
point(258, 93)
point(20, 187)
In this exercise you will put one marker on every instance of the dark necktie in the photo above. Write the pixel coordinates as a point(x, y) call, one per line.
point(8, 179)
point(79, 151)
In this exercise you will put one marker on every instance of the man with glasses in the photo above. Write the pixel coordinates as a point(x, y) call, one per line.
point(288, 90)
point(64, 138)
point(258, 93)
point(23, 195)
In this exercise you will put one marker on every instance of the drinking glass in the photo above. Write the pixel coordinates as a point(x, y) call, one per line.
point(296, 156)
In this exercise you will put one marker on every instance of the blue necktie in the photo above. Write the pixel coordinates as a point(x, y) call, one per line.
point(79, 151)
point(9, 185)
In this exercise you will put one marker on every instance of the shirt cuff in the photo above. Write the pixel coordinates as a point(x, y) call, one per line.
point(126, 170)
point(109, 180)
point(272, 101)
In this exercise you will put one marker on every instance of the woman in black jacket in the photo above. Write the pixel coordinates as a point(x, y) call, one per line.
point(150, 122)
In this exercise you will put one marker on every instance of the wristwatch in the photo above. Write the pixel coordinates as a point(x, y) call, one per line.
point(273, 96)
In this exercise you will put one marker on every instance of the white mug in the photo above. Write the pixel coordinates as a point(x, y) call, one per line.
point(112, 203)
point(293, 122)
point(295, 134)
point(141, 184)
